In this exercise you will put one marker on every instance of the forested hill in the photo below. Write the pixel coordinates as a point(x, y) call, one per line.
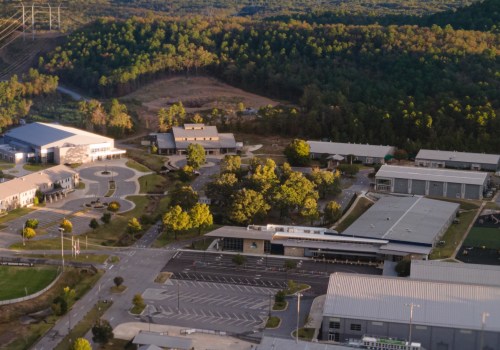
point(484, 16)
point(409, 86)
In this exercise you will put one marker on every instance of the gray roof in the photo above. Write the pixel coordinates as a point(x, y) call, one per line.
point(382, 298)
point(269, 343)
point(350, 148)
point(54, 135)
point(195, 130)
point(478, 158)
point(432, 174)
point(149, 347)
point(162, 340)
point(455, 272)
point(165, 140)
point(404, 219)
point(241, 232)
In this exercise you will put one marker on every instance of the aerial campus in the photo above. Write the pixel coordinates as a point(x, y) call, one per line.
point(250, 175)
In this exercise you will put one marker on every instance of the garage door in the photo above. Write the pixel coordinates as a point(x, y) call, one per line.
point(436, 188)
point(401, 185)
point(454, 190)
point(472, 192)
point(418, 187)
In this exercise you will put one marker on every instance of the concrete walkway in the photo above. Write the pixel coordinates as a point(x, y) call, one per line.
point(316, 315)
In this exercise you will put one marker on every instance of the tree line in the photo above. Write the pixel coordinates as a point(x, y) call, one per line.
point(406, 85)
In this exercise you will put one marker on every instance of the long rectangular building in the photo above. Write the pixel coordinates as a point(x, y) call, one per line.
point(431, 182)
point(458, 160)
point(364, 153)
point(446, 315)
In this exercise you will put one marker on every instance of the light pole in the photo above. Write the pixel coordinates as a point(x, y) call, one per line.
point(178, 299)
point(411, 306)
point(62, 247)
point(483, 322)
point(298, 313)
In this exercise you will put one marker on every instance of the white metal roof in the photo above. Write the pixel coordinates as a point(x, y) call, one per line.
point(195, 130)
point(432, 174)
point(382, 298)
point(432, 270)
point(478, 158)
point(337, 148)
point(240, 232)
point(270, 343)
point(162, 340)
point(54, 135)
point(326, 238)
point(404, 219)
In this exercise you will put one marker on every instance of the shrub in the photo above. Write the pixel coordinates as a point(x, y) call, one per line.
point(280, 296)
point(106, 218)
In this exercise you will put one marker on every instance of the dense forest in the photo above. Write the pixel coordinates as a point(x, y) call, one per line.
point(404, 85)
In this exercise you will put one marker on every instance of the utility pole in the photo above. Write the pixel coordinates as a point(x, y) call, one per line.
point(62, 247)
point(178, 299)
point(411, 305)
point(483, 322)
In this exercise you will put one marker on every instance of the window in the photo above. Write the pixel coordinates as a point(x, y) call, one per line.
point(335, 325)
point(355, 327)
point(253, 245)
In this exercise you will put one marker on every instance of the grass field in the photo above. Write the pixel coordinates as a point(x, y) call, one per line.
point(137, 166)
point(483, 236)
point(14, 214)
point(305, 333)
point(37, 167)
point(362, 206)
point(273, 322)
point(88, 258)
point(453, 236)
point(16, 280)
point(148, 160)
point(153, 183)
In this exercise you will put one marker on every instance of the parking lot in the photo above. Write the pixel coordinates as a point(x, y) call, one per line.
point(207, 305)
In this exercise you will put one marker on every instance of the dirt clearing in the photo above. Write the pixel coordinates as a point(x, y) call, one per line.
point(197, 94)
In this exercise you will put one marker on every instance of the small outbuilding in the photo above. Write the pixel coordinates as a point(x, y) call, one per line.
point(363, 153)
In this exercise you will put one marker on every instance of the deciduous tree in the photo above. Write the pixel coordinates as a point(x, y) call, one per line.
point(176, 220)
point(247, 205)
point(201, 217)
point(195, 155)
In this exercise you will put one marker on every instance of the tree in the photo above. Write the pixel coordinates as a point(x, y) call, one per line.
point(326, 182)
point(310, 210)
point(264, 176)
point(118, 281)
point(154, 149)
point(102, 332)
point(66, 225)
point(106, 218)
point(119, 122)
point(230, 164)
point(176, 220)
point(133, 226)
point(332, 212)
point(239, 259)
point(184, 196)
point(403, 268)
point(138, 301)
point(174, 115)
point(81, 344)
point(297, 152)
point(348, 169)
point(29, 233)
point(400, 155)
point(195, 155)
point(59, 306)
point(291, 195)
point(280, 296)
point(221, 189)
point(186, 173)
point(114, 206)
point(197, 119)
point(247, 205)
point(201, 217)
point(31, 223)
point(94, 224)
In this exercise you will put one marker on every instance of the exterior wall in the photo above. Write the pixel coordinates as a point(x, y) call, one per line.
point(431, 337)
point(294, 251)
point(253, 246)
point(456, 165)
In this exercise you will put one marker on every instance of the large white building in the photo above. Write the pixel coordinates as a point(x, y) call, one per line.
point(458, 160)
point(55, 143)
point(53, 182)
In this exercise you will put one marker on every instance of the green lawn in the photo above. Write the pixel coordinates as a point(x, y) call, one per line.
point(5, 165)
point(153, 183)
point(169, 237)
point(280, 306)
point(14, 214)
point(362, 206)
point(273, 322)
point(137, 166)
point(37, 167)
point(453, 236)
point(150, 161)
point(305, 333)
point(483, 236)
point(89, 258)
point(14, 280)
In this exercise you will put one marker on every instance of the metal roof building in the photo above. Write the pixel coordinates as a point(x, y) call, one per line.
point(270, 343)
point(431, 182)
point(55, 143)
point(414, 220)
point(446, 315)
point(178, 140)
point(162, 340)
point(432, 270)
point(367, 154)
point(458, 160)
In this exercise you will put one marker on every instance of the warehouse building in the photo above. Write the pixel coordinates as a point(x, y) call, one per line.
point(54, 143)
point(458, 160)
point(431, 182)
point(446, 315)
point(366, 154)
point(392, 228)
point(178, 140)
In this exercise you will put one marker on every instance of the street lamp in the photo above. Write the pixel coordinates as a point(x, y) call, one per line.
point(298, 313)
point(411, 306)
point(483, 322)
point(62, 247)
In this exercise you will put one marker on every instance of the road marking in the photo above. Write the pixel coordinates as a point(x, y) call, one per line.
point(111, 267)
